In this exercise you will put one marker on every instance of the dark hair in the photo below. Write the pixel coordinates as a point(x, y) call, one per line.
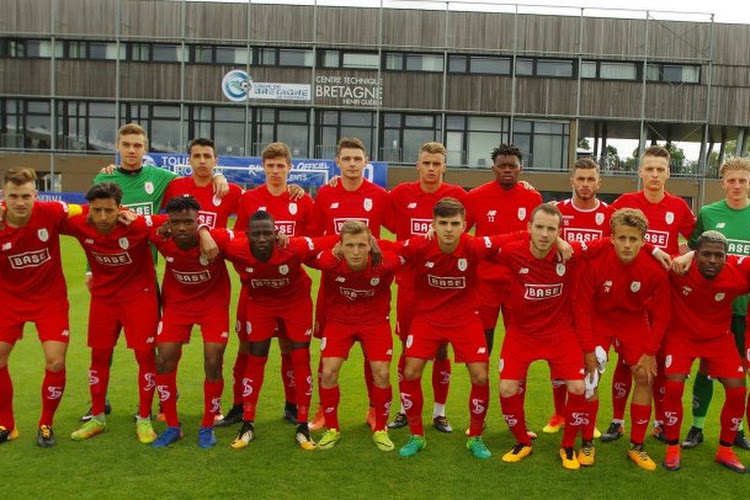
point(585, 163)
point(201, 141)
point(712, 236)
point(182, 204)
point(658, 151)
point(260, 215)
point(549, 209)
point(507, 150)
point(350, 143)
point(105, 191)
point(448, 207)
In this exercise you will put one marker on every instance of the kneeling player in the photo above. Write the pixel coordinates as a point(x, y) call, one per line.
point(700, 327)
point(358, 301)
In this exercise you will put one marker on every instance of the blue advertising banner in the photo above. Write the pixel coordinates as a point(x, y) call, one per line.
point(71, 197)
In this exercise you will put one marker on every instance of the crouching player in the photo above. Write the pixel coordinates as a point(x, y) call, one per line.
point(358, 301)
point(194, 291)
point(700, 328)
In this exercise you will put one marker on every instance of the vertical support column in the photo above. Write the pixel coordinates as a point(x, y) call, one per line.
point(183, 47)
point(741, 141)
point(53, 91)
point(313, 73)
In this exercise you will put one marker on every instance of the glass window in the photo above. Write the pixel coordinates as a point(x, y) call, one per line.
point(76, 50)
point(588, 69)
point(554, 67)
point(424, 62)
point(356, 119)
point(455, 123)
point(268, 56)
point(167, 53)
point(653, 73)
point(139, 52)
point(457, 64)
point(232, 55)
point(426, 121)
point(360, 60)
point(524, 66)
point(203, 54)
point(331, 58)
point(618, 71)
point(392, 120)
point(229, 114)
point(108, 51)
point(489, 123)
point(295, 57)
point(292, 116)
point(394, 60)
point(490, 65)
point(680, 74)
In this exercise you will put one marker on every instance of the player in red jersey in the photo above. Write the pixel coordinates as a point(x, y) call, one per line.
point(623, 299)
point(195, 291)
point(585, 218)
point(541, 328)
point(278, 290)
point(123, 296)
point(358, 302)
point(33, 290)
point(446, 311)
point(700, 328)
point(292, 217)
point(352, 198)
point(668, 218)
point(215, 211)
point(410, 214)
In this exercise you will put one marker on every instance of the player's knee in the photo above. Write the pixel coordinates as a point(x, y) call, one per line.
point(380, 376)
point(576, 387)
point(330, 377)
point(508, 388)
point(55, 364)
point(640, 377)
point(480, 379)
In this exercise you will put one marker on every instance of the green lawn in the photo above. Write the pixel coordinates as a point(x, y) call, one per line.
point(115, 465)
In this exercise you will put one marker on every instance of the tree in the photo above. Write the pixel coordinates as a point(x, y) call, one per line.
point(583, 144)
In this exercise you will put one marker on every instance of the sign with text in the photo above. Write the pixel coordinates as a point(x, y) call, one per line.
point(238, 86)
point(350, 90)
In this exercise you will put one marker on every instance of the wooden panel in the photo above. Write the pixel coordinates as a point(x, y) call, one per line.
point(732, 44)
point(150, 81)
point(621, 37)
point(87, 17)
point(730, 106)
point(597, 101)
point(271, 23)
point(675, 102)
point(736, 76)
point(414, 28)
point(483, 93)
point(476, 30)
point(674, 39)
point(548, 35)
point(412, 90)
point(347, 26)
point(25, 76)
point(86, 78)
point(546, 96)
point(151, 18)
point(225, 21)
point(25, 16)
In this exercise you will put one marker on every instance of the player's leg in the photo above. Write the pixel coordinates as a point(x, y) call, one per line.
point(252, 381)
point(413, 401)
point(166, 385)
point(703, 391)
point(657, 392)
point(234, 415)
point(53, 387)
point(287, 378)
point(404, 317)
point(367, 374)
point(8, 429)
point(101, 362)
point(738, 327)
point(622, 381)
point(441, 380)
point(512, 368)
point(674, 388)
point(329, 399)
point(731, 422)
point(479, 401)
point(576, 418)
point(377, 343)
point(213, 387)
point(640, 414)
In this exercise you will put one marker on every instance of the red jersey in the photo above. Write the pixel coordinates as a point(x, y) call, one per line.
point(30, 265)
point(214, 211)
point(336, 205)
point(702, 308)
point(409, 211)
point(667, 220)
point(585, 225)
point(120, 260)
point(612, 295)
point(357, 297)
point(292, 218)
point(192, 285)
point(445, 283)
point(496, 210)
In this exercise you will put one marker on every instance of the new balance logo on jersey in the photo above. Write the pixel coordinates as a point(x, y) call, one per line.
point(25, 260)
point(420, 226)
point(721, 225)
point(429, 264)
point(491, 214)
point(542, 291)
point(224, 335)
point(523, 270)
point(411, 205)
point(448, 283)
point(7, 246)
point(482, 350)
point(112, 259)
point(89, 241)
point(607, 286)
point(191, 278)
point(334, 205)
point(686, 290)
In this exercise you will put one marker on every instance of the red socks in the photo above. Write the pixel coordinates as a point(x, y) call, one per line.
point(238, 372)
point(639, 417)
point(576, 418)
point(329, 400)
point(478, 402)
point(622, 380)
point(212, 390)
point(146, 359)
point(441, 380)
point(731, 414)
point(6, 400)
point(588, 429)
point(559, 396)
point(53, 387)
point(166, 386)
point(413, 401)
point(382, 397)
point(99, 379)
point(287, 376)
point(302, 381)
point(514, 416)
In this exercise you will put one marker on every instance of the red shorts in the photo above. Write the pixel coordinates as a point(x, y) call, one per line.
point(138, 315)
point(405, 301)
point(627, 337)
point(720, 355)
point(564, 355)
point(376, 339)
point(50, 318)
point(263, 321)
point(491, 295)
point(469, 345)
point(175, 327)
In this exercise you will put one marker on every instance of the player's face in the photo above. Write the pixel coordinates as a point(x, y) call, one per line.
point(710, 258)
point(356, 250)
point(184, 226)
point(19, 200)
point(277, 170)
point(735, 184)
point(586, 183)
point(351, 162)
point(654, 172)
point(448, 229)
point(544, 229)
point(262, 238)
point(507, 169)
point(431, 167)
point(202, 161)
point(627, 241)
point(131, 147)
point(103, 214)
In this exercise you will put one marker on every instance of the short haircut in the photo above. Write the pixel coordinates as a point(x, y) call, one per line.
point(259, 216)
point(350, 143)
point(105, 191)
point(658, 151)
point(132, 129)
point(448, 207)
point(712, 237)
point(276, 150)
point(586, 163)
point(736, 163)
point(20, 176)
point(182, 203)
point(549, 209)
point(201, 141)
point(631, 217)
point(507, 150)
point(354, 228)
point(433, 148)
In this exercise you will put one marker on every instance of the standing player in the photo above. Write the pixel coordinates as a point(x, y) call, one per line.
point(409, 214)
point(358, 302)
point(352, 198)
point(701, 317)
point(33, 290)
point(123, 296)
point(585, 218)
point(623, 298)
point(731, 217)
point(292, 217)
point(668, 218)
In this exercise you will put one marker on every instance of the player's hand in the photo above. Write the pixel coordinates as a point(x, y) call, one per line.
point(526, 185)
point(647, 363)
point(681, 264)
point(430, 234)
point(662, 258)
point(164, 231)
point(221, 186)
point(208, 246)
point(109, 169)
point(334, 181)
point(126, 216)
point(377, 254)
point(89, 281)
point(564, 250)
point(295, 192)
point(590, 363)
point(282, 240)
